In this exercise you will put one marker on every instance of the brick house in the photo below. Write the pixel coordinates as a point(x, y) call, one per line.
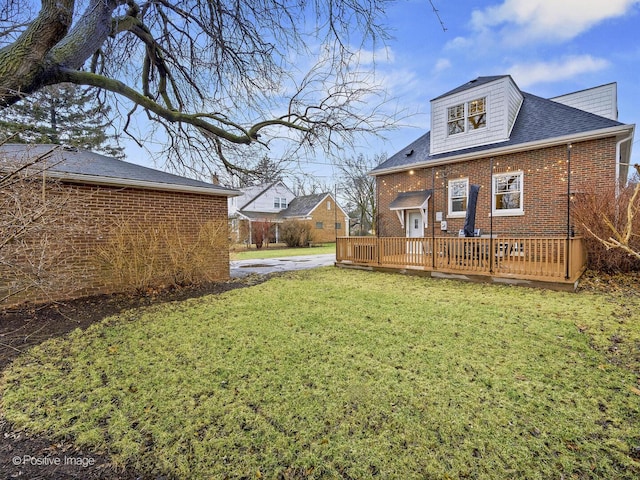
point(273, 203)
point(527, 155)
point(326, 218)
point(102, 194)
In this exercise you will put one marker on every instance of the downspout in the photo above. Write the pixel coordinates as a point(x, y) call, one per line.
point(433, 218)
point(618, 161)
point(491, 215)
point(567, 258)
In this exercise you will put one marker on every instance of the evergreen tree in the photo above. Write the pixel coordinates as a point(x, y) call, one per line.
point(63, 114)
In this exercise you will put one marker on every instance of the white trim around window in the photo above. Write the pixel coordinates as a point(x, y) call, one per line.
point(458, 194)
point(508, 194)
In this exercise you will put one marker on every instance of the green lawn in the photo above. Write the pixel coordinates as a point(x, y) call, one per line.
point(283, 252)
point(348, 374)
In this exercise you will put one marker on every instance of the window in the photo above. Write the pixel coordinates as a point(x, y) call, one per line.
point(328, 204)
point(319, 225)
point(458, 194)
point(507, 194)
point(476, 114)
point(338, 226)
point(455, 119)
point(279, 202)
point(466, 117)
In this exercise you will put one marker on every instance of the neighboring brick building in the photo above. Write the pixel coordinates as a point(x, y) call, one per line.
point(517, 148)
point(325, 217)
point(105, 197)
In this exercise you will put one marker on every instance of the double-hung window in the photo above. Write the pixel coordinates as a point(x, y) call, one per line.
point(279, 202)
point(466, 117)
point(508, 193)
point(458, 194)
point(455, 119)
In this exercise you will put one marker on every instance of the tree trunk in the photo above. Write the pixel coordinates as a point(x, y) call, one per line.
point(22, 64)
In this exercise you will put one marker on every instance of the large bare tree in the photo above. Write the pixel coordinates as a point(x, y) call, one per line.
point(213, 74)
point(359, 188)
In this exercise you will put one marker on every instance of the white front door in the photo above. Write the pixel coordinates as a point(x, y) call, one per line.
point(415, 227)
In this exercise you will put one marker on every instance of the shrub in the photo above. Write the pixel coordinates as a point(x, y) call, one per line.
point(260, 233)
point(597, 214)
point(139, 255)
point(295, 233)
point(33, 219)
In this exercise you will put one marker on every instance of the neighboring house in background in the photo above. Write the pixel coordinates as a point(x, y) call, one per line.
point(258, 204)
point(510, 161)
point(103, 193)
point(326, 218)
point(274, 203)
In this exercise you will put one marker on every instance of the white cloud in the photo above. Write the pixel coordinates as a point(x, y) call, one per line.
point(526, 74)
point(520, 21)
point(370, 57)
point(459, 43)
point(442, 64)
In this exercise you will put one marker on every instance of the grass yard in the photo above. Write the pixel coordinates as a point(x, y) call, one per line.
point(346, 374)
point(283, 252)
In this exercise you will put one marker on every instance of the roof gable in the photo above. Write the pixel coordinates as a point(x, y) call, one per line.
point(252, 195)
point(480, 81)
point(305, 205)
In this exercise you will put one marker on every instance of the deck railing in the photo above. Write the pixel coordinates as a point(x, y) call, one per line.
point(535, 258)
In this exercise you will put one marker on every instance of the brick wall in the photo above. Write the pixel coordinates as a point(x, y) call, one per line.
point(328, 217)
point(544, 188)
point(92, 212)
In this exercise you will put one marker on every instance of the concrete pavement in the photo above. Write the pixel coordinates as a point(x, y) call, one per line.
point(242, 268)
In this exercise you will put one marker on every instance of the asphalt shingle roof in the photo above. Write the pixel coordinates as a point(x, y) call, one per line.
point(83, 162)
point(408, 200)
point(302, 206)
point(472, 84)
point(538, 119)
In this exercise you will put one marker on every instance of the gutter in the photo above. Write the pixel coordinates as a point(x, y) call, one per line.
point(592, 135)
point(125, 182)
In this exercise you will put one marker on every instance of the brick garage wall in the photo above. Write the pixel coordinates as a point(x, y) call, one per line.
point(544, 184)
point(92, 212)
point(328, 217)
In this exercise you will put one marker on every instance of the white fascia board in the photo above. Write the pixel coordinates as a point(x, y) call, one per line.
point(551, 142)
point(124, 182)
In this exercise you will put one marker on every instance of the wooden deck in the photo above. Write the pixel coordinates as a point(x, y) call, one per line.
point(531, 260)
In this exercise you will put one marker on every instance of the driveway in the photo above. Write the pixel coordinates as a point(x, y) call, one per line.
point(242, 268)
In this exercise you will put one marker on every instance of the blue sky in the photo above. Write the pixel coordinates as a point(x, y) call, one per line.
point(550, 47)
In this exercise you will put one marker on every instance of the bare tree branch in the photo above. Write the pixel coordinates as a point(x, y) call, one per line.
point(184, 62)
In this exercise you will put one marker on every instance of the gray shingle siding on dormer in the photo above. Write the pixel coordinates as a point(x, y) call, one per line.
point(502, 99)
point(539, 119)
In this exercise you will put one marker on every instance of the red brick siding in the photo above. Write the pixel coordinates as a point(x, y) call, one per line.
point(96, 209)
point(544, 187)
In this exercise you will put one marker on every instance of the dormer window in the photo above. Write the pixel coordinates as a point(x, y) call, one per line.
point(456, 119)
point(468, 116)
point(477, 113)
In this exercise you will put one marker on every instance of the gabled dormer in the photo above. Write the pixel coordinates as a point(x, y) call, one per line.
point(480, 112)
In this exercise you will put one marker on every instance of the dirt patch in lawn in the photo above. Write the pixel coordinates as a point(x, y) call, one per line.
point(37, 457)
